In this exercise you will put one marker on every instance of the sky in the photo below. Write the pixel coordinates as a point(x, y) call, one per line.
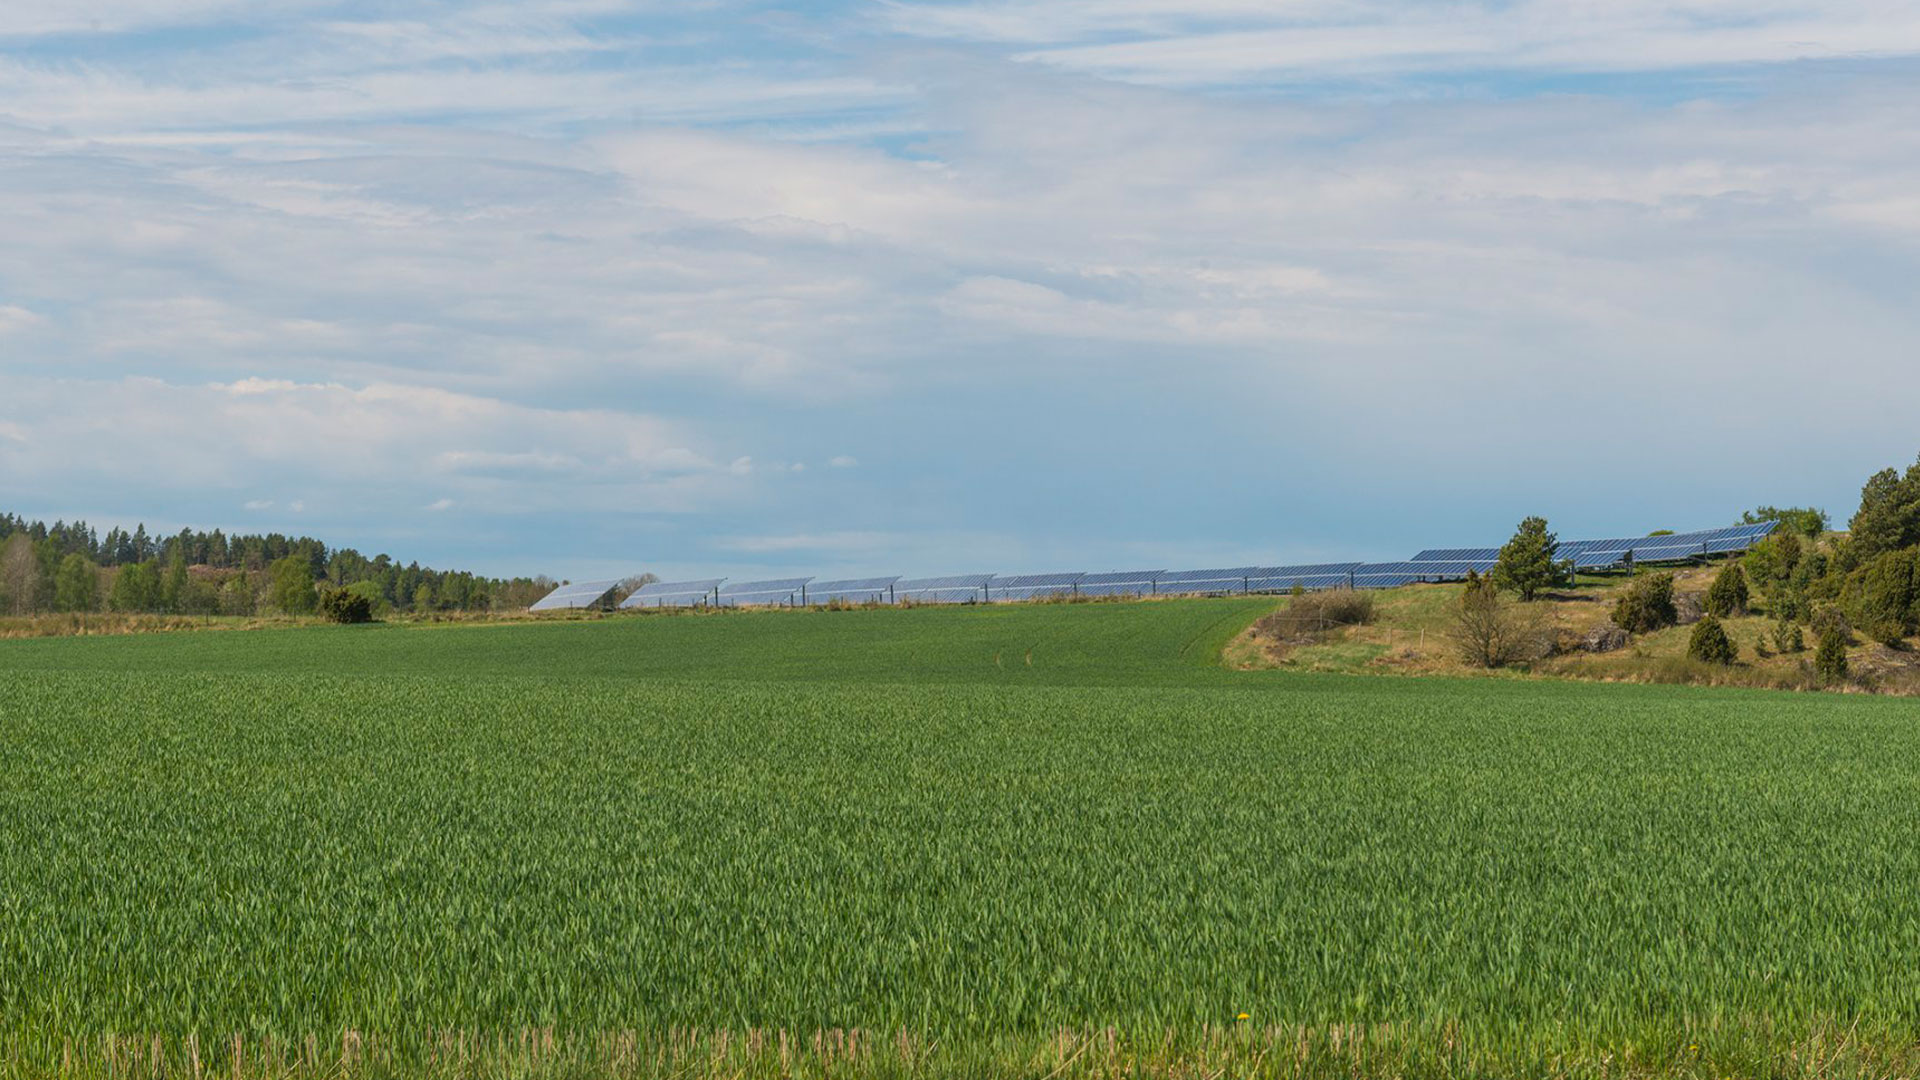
point(720, 287)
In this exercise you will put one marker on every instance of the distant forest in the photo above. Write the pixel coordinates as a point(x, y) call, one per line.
point(71, 567)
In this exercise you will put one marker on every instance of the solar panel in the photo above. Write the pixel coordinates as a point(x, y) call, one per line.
point(852, 591)
point(1032, 586)
point(1117, 588)
point(1122, 577)
point(1314, 576)
point(954, 589)
point(778, 592)
point(1199, 582)
point(1455, 554)
point(580, 594)
point(666, 594)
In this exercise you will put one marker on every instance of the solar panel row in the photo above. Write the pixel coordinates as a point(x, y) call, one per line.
point(1431, 565)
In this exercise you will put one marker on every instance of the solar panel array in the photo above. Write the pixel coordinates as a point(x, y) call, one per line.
point(666, 594)
point(958, 589)
point(853, 591)
point(1119, 583)
point(1431, 565)
point(782, 592)
point(1033, 586)
point(580, 594)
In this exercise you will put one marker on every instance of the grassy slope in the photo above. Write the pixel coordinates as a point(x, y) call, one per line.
point(1409, 637)
point(889, 820)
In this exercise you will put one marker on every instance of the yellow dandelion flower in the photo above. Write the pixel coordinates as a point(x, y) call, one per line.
point(1242, 1016)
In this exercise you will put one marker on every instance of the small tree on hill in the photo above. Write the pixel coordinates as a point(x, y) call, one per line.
point(1647, 605)
point(1787, 637)
point(1830, 660)
point(1710, 643)
point(1526, 563)
point(1728, 596)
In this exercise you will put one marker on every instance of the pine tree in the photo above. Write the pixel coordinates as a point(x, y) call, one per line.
point(1728, 595)
point(1526, 563)
point(1710, 643)
point(1830, 660)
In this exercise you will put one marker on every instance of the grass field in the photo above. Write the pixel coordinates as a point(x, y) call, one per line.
point(981, 837)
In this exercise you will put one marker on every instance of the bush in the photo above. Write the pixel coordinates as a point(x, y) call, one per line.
point(1710, 643)
point(1489, 632)
point(1883, 597)
point(1647, 606)
point(1728, 596)
point(1311, 615)
point(1787, 637)
point(1830, 660)
point(346, 606)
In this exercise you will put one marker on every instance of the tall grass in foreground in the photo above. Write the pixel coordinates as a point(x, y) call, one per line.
point(569, 833)
point(1236, 1050)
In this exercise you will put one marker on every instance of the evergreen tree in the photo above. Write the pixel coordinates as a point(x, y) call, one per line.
point(1526, 563)
point(1728, 595)
point(1889, 515)
point(1830, 659)
point(1710, 643)
point(1883, 597)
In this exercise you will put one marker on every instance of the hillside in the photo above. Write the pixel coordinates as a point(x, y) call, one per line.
point(1409, 635)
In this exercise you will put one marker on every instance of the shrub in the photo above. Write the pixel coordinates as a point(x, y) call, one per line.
point(1883, 597)
point(1728, 595)
point(1830, 660)
point(346, 606)
point(1526, 563)
point(1710, 643)
point(1787, 637)
point(1309, 614)
point(1489, 632)
point(1647, 606)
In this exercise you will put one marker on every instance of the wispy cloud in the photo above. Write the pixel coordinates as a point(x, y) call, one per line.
point(1083, 280)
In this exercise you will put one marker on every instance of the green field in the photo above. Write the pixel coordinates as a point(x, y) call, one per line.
point(968, 830)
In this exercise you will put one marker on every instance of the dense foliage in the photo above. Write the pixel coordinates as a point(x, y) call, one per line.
point(1647, 605)
point(967, 825)
point(69, 566)
point(1802, 521)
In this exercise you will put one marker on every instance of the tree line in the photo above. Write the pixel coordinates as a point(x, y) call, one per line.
point(72, 567)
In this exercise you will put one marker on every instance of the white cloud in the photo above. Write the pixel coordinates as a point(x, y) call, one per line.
point(438, 505)
point(259, 504)
point(14, 318)
point(1162, 41)
point(843, 461)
